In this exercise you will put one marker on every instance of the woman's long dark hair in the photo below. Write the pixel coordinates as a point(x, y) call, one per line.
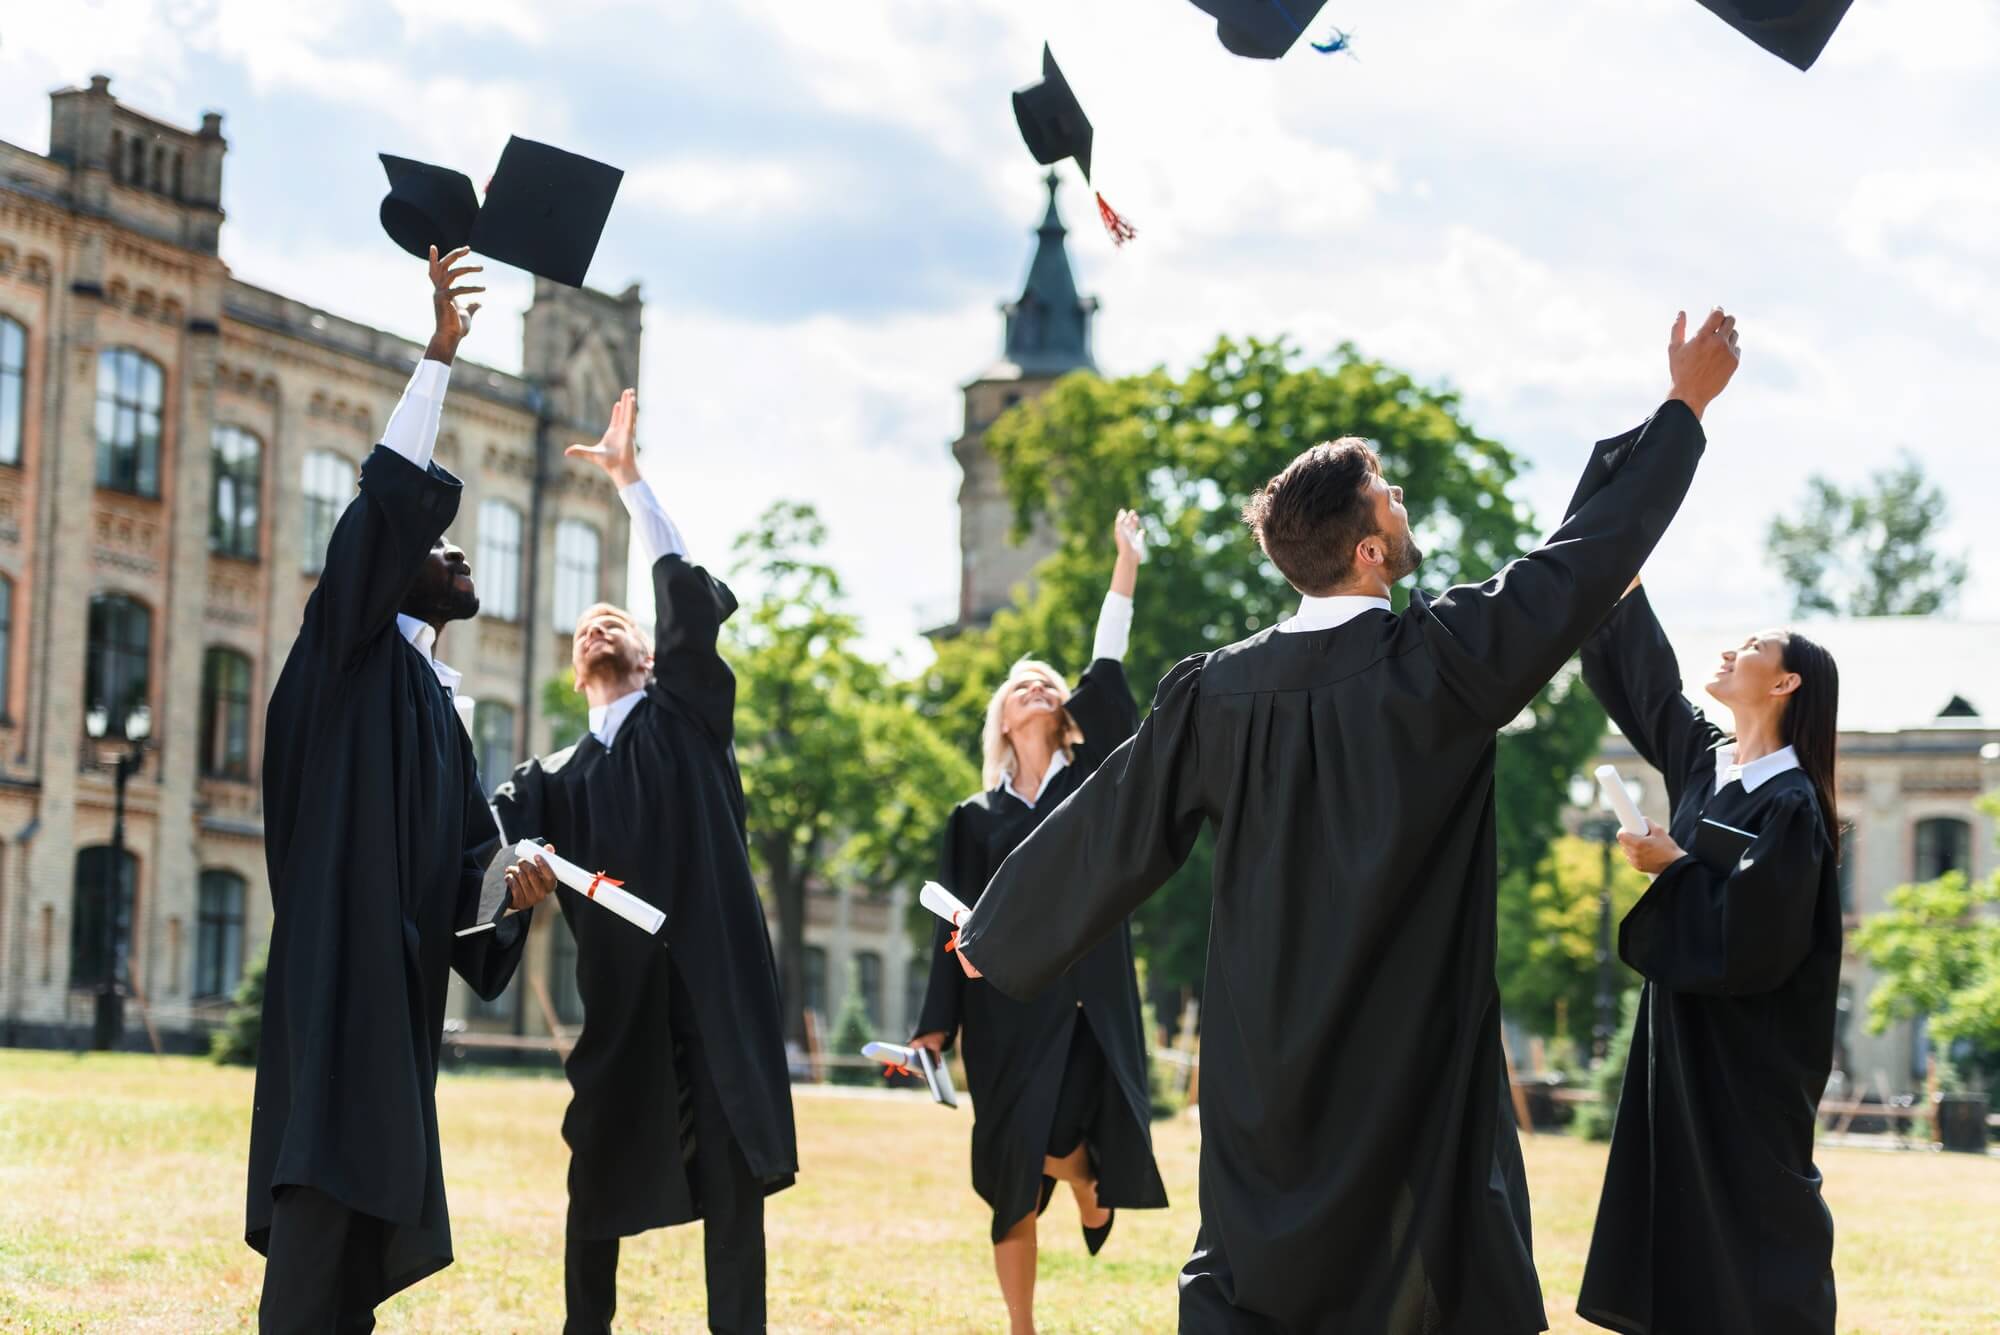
point(1811, 724)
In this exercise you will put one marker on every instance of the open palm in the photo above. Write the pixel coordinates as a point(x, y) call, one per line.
point(614, 451)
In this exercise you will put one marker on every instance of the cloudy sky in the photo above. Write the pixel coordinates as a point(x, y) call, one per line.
point(825, 202)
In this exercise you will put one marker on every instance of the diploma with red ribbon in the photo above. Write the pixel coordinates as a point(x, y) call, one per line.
point(913, 1061)
point(600, 889)
point(947, 906)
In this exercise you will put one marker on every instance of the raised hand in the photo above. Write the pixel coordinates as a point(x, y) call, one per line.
point(1702, 366)
point(1126, 533)
point(614, 451)
point(452, 320)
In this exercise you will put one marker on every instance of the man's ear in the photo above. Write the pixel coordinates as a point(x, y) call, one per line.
point(1371, 551)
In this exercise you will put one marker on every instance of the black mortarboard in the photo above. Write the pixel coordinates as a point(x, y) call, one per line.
point(427, 206)
point(545, 210)
point(1260, 29)
point(1052, 121)
point(1793, 30)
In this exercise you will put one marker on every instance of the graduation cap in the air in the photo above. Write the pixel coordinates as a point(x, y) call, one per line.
point(1054, 127)
point(545, 209)
point(1266, 29)
point(1793, 30)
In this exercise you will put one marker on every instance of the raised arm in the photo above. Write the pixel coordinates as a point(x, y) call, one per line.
point(1631, 669)
point(1498, 643)
point(1102, 703)
point(1099, 855)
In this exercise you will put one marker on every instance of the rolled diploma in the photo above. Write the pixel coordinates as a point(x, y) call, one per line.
point(943, 903)
point(1613, 786)
point(890, 1054)
point(627, 906)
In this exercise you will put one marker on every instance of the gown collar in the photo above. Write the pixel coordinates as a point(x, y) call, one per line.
point(424, 636)
point(1755, 774)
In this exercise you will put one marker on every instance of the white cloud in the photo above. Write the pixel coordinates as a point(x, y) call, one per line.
point(702, 186)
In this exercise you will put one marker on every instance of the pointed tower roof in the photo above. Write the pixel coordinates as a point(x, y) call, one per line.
point(1048, 326)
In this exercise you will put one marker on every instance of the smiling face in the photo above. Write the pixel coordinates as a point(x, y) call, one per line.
point(608, 646)
point(443, 591)
point(1031, 699)
point(1753, 674)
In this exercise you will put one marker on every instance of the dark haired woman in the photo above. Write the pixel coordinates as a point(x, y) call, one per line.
point(1058, 1083)
point(1711, 1222)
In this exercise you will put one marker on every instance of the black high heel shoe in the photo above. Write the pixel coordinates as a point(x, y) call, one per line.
point(1093, 1238)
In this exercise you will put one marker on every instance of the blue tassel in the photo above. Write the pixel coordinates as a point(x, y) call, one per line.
point(1338, 41)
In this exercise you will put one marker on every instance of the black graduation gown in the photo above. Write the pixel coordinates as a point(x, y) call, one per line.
point(1711, 1219)
point(1016, 1050)
point(662, 810)
point(1359, 1169)
point(376, 836)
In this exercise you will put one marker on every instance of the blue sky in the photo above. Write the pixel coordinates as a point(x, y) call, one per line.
point(825, 202)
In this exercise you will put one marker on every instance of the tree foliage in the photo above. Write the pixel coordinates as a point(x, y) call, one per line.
point(1187, 452)
point(1547, 963)
point(1871, 551)
point(235, 1043)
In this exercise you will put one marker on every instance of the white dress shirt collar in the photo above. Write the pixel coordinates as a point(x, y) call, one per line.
point(1326, 613)
point(423, 635)
point(1057, 764)
point(607, 719)
point(1755, 774)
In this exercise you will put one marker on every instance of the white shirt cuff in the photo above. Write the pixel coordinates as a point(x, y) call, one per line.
point(650, 522)
point(412, 429)
point(1114, 628)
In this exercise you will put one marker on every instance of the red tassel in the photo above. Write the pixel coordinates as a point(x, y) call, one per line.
point(1121, 230)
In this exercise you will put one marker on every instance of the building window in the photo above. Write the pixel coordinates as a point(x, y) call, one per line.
point(237, 475)
point(326, 483)
point(225, 714)
point(868, 977)
point(131, 394)
point(118, 670)
point(13, 389)
point(814, 968)
point(1944, 844)
point(87, 946)
point(493, 741)
point(218, 942)
point(1846, 872)
point(562, 972)
point(576, 572)
point(6, 647)
point(499, 566)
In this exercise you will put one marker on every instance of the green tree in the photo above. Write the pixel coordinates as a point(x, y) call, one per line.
point(1188, 452)
point(1871, 551)
point(235, 1044)
point(844, 777)
point(1593, 1121)
point(565, 709)
point(1547, 964)
point(1937, 949)
point(851, 1030)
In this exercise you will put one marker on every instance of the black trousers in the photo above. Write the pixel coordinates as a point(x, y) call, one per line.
point(731, 1201)
point(322, 1269)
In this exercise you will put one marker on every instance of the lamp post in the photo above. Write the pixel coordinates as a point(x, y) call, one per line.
point(1601, 828)
point(110, 1021)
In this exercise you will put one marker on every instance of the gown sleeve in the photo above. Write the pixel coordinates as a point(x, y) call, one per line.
point(1631, 669)
point(1103, 708)
point(1099, 855)
point(689, 673)
point(485, 960)
point(1498, 643)
point(944, 997)
point(1740, 934)
point(377, 550)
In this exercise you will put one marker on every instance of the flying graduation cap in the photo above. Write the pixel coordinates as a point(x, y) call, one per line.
point(1054, 127)
point(545, 209)
point(1266, 29)
point(1793, 30)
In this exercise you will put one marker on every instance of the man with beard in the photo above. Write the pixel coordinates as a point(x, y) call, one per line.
point(1359, 1166)
point(681, 1105)
point(377, 838)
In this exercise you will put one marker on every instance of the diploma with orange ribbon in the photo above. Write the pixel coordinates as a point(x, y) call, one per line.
point(947, 906)
point(899, 1060)
point(598, 888)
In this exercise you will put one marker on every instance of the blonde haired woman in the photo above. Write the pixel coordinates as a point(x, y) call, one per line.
point(1059, 1085)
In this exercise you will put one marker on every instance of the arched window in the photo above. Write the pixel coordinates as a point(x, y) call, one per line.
point(1944, 843)
point(6, 647)
point(498, 567)
point(13, 389)
point(177, 191)
point(225, 714)
point(577, 547)
point(118, 155)
point(814, 962)
point(562, 972)
point(89, 951)
point(868, 977)
point(236, 480)
point(159, 168)
point(218, 949)
point(493, 741)
point(131, 394)
point(136, 173)
point(118, 667)
point(326, 485)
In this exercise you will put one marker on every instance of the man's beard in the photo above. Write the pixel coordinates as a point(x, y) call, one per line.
point(1404, 558)
point(607, 664)
point(435, 605)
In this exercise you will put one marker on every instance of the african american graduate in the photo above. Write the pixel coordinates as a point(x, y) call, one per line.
point(1359, 1167)
point(377, 836)
point(680, 1103)
point(1711, 1219)
point(1059, 1085)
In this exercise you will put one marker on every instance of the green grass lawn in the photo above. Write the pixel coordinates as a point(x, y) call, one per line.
point(121, 1209)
